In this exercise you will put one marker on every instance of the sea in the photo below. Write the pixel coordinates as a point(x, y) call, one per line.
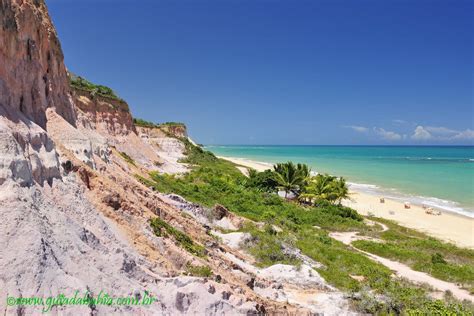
point(441, 177)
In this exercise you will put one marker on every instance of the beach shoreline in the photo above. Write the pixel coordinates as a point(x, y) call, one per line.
point(450, 226)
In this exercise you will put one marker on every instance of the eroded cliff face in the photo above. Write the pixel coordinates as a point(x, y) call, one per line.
point(168, 147)
point(32, 80)
point(176, 130)
point(32, 71)
point(106, 115)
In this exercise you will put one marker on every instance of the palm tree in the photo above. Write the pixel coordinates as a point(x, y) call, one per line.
point(290, 177)
point(252, 173)
point(325, 187)
point(319, 187)
point(305, 173)
point(342, 189)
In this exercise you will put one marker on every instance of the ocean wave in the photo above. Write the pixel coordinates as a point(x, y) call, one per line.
point(428, 159)
point(362, 185)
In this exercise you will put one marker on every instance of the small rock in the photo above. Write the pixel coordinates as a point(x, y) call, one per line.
point(220, 211)
point(260, 309)
point(226, 295)
point(67, 166)
point(112, 200)
point(211, 244)
point(211, 289)
point(277, 286)
point(128, 264)
point(251, 283)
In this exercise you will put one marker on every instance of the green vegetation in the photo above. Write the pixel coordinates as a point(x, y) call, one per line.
point(266, 245)
point(305, 226)
point(263, 181)
point(198, 271)
point(291, 178)
point(95, 89)
point(442, 260)
point(296, 180)
point(163, 229)
point(127, 158)
point(172, 124)
point(325, 187)
point(143, 123)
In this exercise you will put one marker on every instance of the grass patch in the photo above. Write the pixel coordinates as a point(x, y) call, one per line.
point(143, 123)
point(163, 229)
point(442, 260)
point(173, 124)
point(127, 158)
point(95, 89)
point(198, 271)
point(266, 246)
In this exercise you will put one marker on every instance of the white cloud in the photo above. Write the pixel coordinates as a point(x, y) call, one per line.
point(466, 134)
point(421, 133)
point(441, 133)
point(388, 135)
point(359, 129)
point(399, 122)
point(440, 130)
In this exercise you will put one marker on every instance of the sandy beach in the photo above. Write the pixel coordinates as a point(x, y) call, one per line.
point(448, 226)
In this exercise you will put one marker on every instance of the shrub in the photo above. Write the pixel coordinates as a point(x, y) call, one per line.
point(198, 271)
point(437, 258)
point(163, 229)
point(264, 181)
point(338, 210)
point(95, 89)
point(143, 123)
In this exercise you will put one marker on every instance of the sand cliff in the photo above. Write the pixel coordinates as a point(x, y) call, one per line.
point(74, 217)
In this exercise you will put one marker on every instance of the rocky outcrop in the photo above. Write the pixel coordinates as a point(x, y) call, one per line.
point(174, 129)
point(170, 149)
point(27, 154)
point(106, 115)
point(32, 72)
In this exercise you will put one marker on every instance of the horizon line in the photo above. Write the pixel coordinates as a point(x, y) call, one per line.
point(345, 145)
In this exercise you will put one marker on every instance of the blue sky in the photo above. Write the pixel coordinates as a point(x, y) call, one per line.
point(282, 72)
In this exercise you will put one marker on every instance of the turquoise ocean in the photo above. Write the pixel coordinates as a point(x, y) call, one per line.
point(438, 176)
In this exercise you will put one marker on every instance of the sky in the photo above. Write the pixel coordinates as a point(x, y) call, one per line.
point(282, 71)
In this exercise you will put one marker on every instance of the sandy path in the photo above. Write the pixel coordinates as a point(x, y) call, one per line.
point(449, 226)
point(403, 270)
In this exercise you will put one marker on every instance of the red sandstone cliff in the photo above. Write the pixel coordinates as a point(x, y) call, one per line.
point(32, 72)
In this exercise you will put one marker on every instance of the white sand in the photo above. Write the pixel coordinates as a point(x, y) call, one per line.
point(403, 270)
point(449, 226)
